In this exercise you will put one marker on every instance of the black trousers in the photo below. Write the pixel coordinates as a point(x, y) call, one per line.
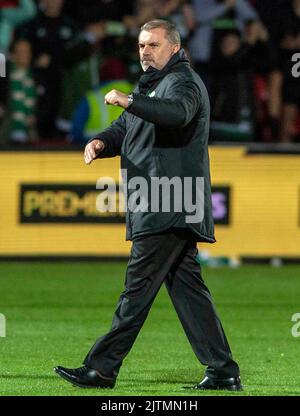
point(169, 257)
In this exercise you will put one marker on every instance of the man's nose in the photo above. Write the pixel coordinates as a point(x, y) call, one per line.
point(146, 50)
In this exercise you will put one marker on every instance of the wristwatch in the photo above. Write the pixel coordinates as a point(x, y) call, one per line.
point(130, 100)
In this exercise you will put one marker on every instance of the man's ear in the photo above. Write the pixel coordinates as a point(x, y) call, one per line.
point(176, 48)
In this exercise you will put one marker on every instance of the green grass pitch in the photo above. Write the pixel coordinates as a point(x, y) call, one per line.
point(55, 311)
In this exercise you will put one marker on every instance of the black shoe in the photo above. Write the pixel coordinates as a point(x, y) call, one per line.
point(208, 383)
point(85, 377)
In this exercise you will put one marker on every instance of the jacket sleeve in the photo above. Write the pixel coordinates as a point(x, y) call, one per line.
point(176, 109)
point(112, 138)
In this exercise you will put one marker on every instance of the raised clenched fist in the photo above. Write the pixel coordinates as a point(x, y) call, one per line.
point(115, 97)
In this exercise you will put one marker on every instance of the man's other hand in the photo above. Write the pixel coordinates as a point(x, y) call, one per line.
point(115, 97)
point(92, 150)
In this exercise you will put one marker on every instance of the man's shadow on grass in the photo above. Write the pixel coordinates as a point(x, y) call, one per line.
point(177, 376)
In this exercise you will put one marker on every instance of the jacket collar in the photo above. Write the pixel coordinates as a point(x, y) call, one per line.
point(152, 76)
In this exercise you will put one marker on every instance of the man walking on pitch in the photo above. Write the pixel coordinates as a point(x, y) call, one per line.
point(162, 132)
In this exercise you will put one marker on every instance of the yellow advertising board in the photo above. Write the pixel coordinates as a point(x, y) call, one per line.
point(49, 205)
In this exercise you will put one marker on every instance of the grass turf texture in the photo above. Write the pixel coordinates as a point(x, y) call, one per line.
point(55, 312)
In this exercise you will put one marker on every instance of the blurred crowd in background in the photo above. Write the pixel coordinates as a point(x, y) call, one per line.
point(63, 56)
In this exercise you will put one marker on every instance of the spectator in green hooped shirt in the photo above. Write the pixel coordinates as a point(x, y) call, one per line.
point(19, 122)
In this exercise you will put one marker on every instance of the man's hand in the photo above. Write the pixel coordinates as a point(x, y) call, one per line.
point(43, 61)
point(115, 97)
point(92, 150)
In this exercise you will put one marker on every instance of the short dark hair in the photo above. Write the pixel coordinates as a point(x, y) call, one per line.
point(172, 33)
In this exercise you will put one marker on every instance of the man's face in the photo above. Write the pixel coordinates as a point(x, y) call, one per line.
point(22, 54)
point(53, 7)
point(230, 44)
point(155, 49)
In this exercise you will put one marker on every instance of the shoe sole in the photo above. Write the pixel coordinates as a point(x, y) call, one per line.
point(229, 388)
point(83, 386)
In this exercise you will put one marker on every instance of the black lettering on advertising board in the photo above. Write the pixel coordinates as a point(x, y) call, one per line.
point(83, 203)
point(65, 203)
